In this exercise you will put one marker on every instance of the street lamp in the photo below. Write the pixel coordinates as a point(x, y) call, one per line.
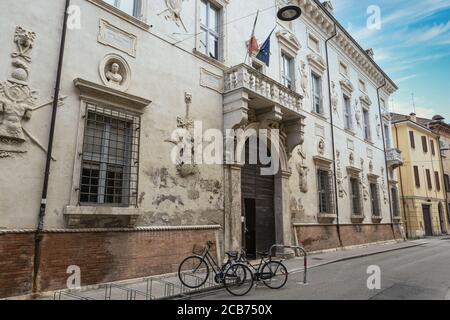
point(289, 13)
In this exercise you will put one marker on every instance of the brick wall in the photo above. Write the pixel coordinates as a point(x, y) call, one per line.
point(101, 256)
point(318, 237)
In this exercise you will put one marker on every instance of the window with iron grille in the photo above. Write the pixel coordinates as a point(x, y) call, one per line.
point(110, 158)
point(375, 199)
point(395, 202)
point(355, 196)
point(325, 189)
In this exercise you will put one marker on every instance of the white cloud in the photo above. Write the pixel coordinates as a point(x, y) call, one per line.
point(428, 34)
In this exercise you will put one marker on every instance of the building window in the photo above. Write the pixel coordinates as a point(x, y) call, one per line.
point(348, 113)
point(375, 199)
point(433, 150)
point(317, 93)
point(387, 136)
point(447, 183)
point(417, 176)
point(437, 177)
point(325, 188)
point(343, 69)
point(355, 196)
point(412, 140)
point(367, 133)
point(424, 144)
point(313, 43)
point(362, 86)
point(395, 202)
point(131, 7)
point(429, 183)
point(210, 29)
point(287, 71)
point(109, 165)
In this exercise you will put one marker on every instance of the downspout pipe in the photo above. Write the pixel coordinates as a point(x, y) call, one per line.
point(401, 187)
point(385, 155)
point(332, 136)
point(43, 206)
point(444, 186)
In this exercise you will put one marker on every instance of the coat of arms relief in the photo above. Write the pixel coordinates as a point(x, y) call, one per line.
point(173, 12)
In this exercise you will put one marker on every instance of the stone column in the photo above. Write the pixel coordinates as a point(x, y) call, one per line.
point(233, 208)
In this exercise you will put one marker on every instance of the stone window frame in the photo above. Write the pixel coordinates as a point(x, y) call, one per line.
point(345, 65)
point(362, 85)
point(355, 173)
point(324, 164)
point(312, 36)
point(221, 5)
point(374, 180)
point(289, 46)
point(321, 112)
point(283, 77)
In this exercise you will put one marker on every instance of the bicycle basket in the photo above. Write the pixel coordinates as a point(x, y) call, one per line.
point(198, 250)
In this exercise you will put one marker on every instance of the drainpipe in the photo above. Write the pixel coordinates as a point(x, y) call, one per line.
point(39, 231)
point(444, 186)
point(401, 187)
point(332, 136)
point(385, 157)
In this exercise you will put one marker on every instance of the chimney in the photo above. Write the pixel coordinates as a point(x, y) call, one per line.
point(413, 117)
point(370, 53)
point(328, 6)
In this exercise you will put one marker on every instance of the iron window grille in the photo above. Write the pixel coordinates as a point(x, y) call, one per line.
point(395, 202)
point(375, 198)
point(325, 189)
point(110, 158)
point(355, 189)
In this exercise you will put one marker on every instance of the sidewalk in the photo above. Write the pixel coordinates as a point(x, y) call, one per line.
point(167, 286)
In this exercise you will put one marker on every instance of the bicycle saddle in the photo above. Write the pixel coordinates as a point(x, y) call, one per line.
point(232, 254)
point(263, 254)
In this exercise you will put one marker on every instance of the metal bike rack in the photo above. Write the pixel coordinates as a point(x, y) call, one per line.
point(298, 249)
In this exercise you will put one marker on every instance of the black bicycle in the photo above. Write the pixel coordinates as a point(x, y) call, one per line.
point(236, 277)
point(272, 273)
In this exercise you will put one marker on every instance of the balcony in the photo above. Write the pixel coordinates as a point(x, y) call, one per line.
point(394, 158)
point(262, 90)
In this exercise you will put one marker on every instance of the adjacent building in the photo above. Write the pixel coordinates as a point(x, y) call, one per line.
point(135, 73)
point(421, 177)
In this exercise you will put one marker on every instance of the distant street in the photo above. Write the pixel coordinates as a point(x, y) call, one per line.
point(421, 272)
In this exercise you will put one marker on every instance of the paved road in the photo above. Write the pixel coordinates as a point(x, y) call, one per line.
point(421, 272)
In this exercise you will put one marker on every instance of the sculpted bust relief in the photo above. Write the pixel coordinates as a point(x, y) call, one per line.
point(113, 76)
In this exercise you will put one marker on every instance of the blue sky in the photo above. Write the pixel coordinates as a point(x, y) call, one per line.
point(412, 46)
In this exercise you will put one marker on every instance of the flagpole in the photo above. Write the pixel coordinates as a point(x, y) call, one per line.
point(253, 34)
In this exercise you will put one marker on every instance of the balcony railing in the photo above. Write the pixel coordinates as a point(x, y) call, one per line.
point(394, 158)
point(245, 77)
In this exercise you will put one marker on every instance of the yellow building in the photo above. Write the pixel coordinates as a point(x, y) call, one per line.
point(421, 180)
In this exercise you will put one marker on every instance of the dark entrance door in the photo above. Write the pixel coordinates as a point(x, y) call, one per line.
point(427, 220)
point(257, 205)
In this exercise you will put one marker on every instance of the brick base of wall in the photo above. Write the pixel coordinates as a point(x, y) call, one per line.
point(323, 237)
point(102, 256)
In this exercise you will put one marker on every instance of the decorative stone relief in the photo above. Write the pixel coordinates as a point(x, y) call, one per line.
point(351, 159)
point(365, 99)
point(17, 99)
point(304, 79)
point(302, 170)
point(347, 86)
point(289, 41)
point(370, 167)
point(357, 108)
point(321, 147)
point(377, 117)
point(383, 186)
point(173, 12)
point(119, 39)
point(115, 72)
point(340, 178)
point(364, 182)
point(334, 98)
point(317, 63)
point(211, 81)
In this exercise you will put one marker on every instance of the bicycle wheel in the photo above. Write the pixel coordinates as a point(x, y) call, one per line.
point(193, 272)
point(238, 279)
point(274, 274)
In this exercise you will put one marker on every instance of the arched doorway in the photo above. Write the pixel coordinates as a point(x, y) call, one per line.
point(442, 218)
point(258, 201)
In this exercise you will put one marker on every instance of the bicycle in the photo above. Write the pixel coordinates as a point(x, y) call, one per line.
point(194, 271)
point(272, 273)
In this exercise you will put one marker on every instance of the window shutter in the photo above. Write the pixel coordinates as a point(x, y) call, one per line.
point(428, 173)
point(416, 176)
point(412, 140)
point(433, 150)
point(424, 144)
point(438, 181)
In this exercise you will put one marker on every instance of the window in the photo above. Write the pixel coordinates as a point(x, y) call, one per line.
point(317, 93)
point(131, 7)
point(417, 176)
point(109, 165)
point(433, 150)
point(424, 144)
point(412, 140)
point(210, 29)
point(437, 177)
point(362, 86)
point(428, 173)
point(343, 69)
point(395, 202)
point(367, 134)
point(447, 183)
point(375, 199)
point(287, 69)
point(313, 43)
point(387, 136)
point(325, 188)
point(348, 113)
point(355, 196)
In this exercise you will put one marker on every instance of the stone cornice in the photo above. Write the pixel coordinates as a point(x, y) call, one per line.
point(315, 12)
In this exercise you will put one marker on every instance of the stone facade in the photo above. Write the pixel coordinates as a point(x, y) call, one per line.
point(147, 68)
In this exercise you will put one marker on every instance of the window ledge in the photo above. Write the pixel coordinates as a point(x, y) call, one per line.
point(357, 219)
point(208, 59)
point(319, 115)
point(101, 216)
point(119, 13)
point(350, 132)
point(377, 219)
point(326, 217)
